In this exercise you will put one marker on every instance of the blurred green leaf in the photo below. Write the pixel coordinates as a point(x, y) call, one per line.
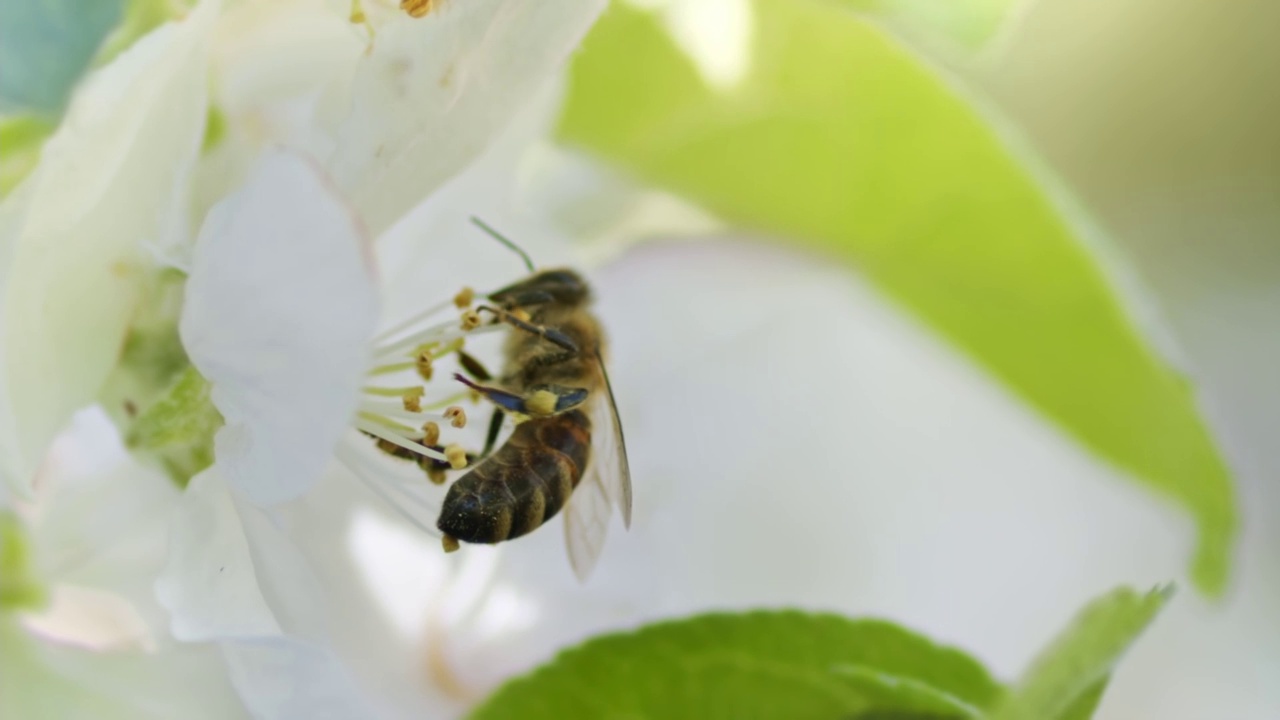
point(45, 46)
point(836, 136)
point(20, 141)
point(19, 587)
point(970, 23)
point(781, 665)
point(140, 18)
point(1067, 680)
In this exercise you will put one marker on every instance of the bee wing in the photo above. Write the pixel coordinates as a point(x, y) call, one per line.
point(609, 466)
point(605, 485)
point(586, 522)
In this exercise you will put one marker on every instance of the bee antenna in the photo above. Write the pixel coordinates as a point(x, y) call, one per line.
point(502, 239)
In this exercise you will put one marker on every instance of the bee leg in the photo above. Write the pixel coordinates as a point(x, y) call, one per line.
point(551, 335)
point(473, 367)
point(543, 401)
point(495, 426)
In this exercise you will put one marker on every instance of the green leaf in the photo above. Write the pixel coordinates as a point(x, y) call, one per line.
point(787, 665)
point(21, 138)
point(970, 23)
point(836, 136)
point(1067, 680)
point(906, 696)
point(45, 46)
point(19, 587)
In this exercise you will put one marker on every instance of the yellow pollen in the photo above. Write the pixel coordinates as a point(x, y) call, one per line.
point(470, 320)
point(412, 399)
point(457, 416)
point(542, 402)
point(450, 543)
point(417, 8)
point(424, 366)
point(435, 475)
point(464, 297)
point(456, 456)
point(520, 314)
point(430, 433)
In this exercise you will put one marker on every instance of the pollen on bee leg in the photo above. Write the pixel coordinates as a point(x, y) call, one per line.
point(430, 433)
point(520, 314)
point(470, 320)
point(450, 543)
point(542, 402)
point(464, 298)
point(456, 456)
point(456, 416)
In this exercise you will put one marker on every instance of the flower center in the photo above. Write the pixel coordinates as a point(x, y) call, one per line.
point(405, 414)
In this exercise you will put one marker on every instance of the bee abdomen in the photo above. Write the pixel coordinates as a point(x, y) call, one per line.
point(524, 484)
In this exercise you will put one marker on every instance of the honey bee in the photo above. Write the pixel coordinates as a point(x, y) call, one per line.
point(567, 450)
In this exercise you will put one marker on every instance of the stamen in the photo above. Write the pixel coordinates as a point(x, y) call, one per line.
point(470, 320)
point(412, 403)
point(392, 368)
point(456, 416)
point(464, 298)
point(382, 414)
point(350, 456)
point(450, 543)
point(423, 364)
point(456, 456)
point(411, 321)
point(381, 431)
point(406, 391)
point(431, 433)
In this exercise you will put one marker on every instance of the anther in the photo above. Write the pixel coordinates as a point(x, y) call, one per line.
point(436, 475)
point(470, 320)
point(430, 433)
point(520, 314)
point(412, 399)
point(542, 402)
point(423, 364)
point(456, 416)
point(450, 543)
point(456, 456)
point(464, 298)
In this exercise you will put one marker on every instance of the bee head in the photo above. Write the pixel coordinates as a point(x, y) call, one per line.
point(560, 286)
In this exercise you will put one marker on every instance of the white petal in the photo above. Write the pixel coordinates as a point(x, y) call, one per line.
point(46, 680)
point(289, 679)
point(210, 584)
point(279, 311)
point(433, 92)
point(110, 182)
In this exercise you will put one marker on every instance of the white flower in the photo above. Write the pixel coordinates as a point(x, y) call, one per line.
point(94, 538)
point(76, 236)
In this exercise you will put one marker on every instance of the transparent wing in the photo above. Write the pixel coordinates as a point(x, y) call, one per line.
point(605, 485)
point(586, 522)
point(609, 450)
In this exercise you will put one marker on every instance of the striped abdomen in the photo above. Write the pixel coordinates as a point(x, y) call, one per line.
point(523, 484)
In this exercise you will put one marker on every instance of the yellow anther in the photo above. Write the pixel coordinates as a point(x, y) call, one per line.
point(417, 8)
point(464, 297)
point(470, 320)
point(456, 456)
point(430, 433)
point(436, 475)
point(423, 364)
point(412, 399)
point(520, 314)
point(457, 416)
point(450, 543)
point(542, 402)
